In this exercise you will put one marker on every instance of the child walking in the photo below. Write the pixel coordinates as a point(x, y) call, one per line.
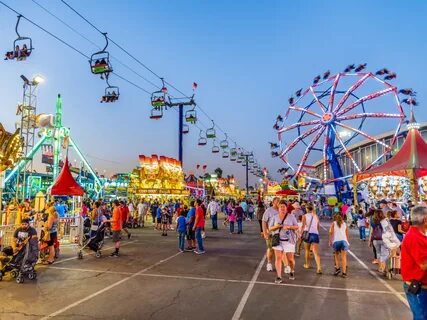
point(181, 228)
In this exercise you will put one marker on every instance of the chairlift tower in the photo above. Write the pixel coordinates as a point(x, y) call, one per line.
point(28, 111)
point(180, 105)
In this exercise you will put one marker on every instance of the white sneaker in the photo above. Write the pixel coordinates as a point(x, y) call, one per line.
point(287, 269)
point(269, 267)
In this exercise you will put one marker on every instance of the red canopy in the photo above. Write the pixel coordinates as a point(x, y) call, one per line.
point(286, 192)
point(410, 161)
point(65, 185)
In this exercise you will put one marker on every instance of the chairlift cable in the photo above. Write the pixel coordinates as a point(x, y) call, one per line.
point(91, 42)
point(142, 64)
point(46, 31)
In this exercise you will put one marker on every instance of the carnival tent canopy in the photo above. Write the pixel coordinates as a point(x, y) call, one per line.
point(410, 161)
point(65, 185)
point(287, 192)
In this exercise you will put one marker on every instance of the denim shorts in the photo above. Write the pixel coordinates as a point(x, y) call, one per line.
point(340, 246)
point(313, 238)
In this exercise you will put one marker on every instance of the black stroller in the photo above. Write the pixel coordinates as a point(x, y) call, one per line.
point(20, 264)
point(94, 242)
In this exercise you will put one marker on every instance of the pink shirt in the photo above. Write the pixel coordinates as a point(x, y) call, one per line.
point(232, 217)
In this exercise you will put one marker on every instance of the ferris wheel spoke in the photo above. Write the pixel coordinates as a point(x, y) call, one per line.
point(325, 158)
point(303, 110)
point(308, 149)
point(332, 95)
point(369, 115)
point(299, 124)
point(345, 149)
point(363, 99)
point(363, 134)
point(322, 107)
point(301, 137)
point(350, 91)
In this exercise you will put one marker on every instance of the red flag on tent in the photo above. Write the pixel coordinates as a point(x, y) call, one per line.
point(204, 167)
point(195, 85)
point(198, 166)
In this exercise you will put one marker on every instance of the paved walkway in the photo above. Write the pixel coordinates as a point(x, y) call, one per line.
point(151, 280)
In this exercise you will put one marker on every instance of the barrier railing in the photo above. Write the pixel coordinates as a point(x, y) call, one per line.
point(6, 235)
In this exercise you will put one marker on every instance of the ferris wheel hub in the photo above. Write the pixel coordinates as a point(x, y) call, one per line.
point(328, 118)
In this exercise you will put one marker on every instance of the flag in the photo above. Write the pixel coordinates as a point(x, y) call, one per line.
point(195, 85)
point(204, 167)
point(198, 166)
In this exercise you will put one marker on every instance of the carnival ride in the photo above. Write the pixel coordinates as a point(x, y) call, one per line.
point(332, 113)
point(59, 137)
point(22, 46)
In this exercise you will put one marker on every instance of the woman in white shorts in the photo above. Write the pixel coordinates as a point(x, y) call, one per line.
point(285, 224)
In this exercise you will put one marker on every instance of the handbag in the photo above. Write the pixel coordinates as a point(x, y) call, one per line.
point(305, 234)
point(275, 238)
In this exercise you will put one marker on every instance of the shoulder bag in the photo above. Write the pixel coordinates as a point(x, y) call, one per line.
point(275, 239)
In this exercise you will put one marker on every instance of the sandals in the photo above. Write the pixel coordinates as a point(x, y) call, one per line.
point(306, 266)
point(337, 271)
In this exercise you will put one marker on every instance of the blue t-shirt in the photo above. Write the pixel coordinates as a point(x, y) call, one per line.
point(191, 216)
point(60, 208)
point(181, 224)
point(159, 213)
point(244, 206)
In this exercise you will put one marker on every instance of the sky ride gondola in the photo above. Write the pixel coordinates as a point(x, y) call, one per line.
point(156, 113)
point(225, 154)
point(191, 116)
point(211, 132)
point(159, 98)
point(215, 148)
point(22, 46)
point(185, 129)
point(112, 94)
point(224, 143)
point(202, 140)
point(100, 61)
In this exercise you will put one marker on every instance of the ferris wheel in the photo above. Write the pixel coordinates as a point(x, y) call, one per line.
point(335, 112)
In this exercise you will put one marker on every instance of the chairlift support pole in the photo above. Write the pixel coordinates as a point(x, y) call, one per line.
point(180, 134)
point(180, 106)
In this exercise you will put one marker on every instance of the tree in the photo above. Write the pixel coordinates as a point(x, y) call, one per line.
point(218, 172)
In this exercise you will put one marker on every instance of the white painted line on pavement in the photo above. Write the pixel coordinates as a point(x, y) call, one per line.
point(389, 287)
point(167, 276)
point(115, 284)
point(248, 291)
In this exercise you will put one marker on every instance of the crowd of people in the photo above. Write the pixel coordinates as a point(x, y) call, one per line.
point(397, 234)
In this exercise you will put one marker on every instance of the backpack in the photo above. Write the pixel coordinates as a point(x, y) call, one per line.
point(377, 232)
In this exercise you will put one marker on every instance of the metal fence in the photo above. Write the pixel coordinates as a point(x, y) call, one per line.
point(6, 235)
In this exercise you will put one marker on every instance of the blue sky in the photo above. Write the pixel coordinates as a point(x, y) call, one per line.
point(246, 56)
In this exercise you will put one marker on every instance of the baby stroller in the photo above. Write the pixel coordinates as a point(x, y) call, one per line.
point(20, 264)
point(94, 242)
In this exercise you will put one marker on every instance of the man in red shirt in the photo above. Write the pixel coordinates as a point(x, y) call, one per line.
point(116, 227)
point(125, 217)
point(199, 224)
point(414, 263)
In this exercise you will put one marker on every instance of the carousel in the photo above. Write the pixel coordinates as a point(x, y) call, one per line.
point(10, 152)
point(403, 177)
point(157, 178)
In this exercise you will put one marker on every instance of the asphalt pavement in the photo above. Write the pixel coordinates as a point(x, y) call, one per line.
point(152, 280)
